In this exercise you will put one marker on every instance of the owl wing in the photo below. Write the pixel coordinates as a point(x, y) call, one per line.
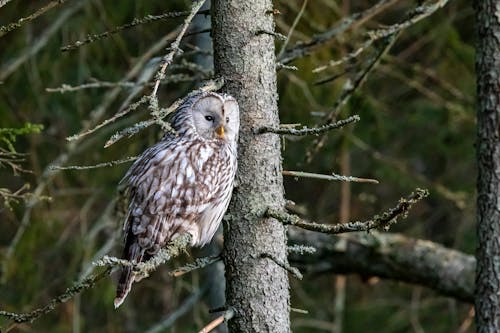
point(167, 197)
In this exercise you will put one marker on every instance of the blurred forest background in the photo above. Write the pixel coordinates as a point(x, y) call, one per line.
point(417, 129)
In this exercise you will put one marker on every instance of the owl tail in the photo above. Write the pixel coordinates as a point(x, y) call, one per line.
point(124, 285)
point(132, 253)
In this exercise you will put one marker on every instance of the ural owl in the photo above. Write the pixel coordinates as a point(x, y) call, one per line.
point(183, 183)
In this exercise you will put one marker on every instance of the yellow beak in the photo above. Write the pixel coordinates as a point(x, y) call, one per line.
point(220, 131)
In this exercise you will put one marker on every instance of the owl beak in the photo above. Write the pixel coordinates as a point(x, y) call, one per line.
point(220, 131)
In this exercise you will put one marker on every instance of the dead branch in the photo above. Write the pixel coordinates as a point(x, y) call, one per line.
point(349, 89)
point(384, 221)
point(331, 177)
point(308, 131)
point(15, 25)
point(135, 22)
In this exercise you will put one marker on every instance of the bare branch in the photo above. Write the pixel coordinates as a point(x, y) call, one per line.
point(135, 22)
point(77, 288)
point(33, 48)
point(308, 131)
point(120, 114)
point(168, 58)
point(142, 269)
point(286, 266)
point(199, 263)
point(95, 166)
point(292, 28)
point(384, 221)
point(15, 25)
point(219, 320)
point(391, 256)
point(349, 89)
point(416, 15)
point(305, 48)
point(331, 177)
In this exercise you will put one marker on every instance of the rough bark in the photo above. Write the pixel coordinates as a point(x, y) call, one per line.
point(487, 300)
point(392, 256)
point(257, 288)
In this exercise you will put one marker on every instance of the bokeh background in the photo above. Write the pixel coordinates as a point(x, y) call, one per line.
point(417, 129)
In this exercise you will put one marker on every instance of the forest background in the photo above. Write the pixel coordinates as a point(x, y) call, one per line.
point(417, 129)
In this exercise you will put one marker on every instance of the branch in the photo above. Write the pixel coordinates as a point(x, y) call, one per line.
point(174, 249)
point(95, 166)
point(15, 25)
point(42, 39)
point(385, 221)
point(168, 58)
point(142, 269)
point(135, 22)
point(348, 90)
point(199, 263)
point(219, 320)
point(286, 266)
point(416, 15)
point(331, 177)
point(392, 256)
point(308, 131)
point(77, 288)
point(303, 49)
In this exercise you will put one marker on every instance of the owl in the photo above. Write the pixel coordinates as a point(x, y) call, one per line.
point(182, 184)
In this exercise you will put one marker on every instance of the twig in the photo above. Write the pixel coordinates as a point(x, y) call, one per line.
point(33, 48)
point(301, 249)
point(219, 320)
point(302, 311)
point(168, 58)
point(120, 114)
point(385, 221)
point(15, 25)
point(308, 131)
point(78, 287)
point(275, 34)
point(286, 266)
point(304, 48)
point(348, 91)
point(174, 78)
point(142, 269)
point(135, 22)
point(199, 263)
point(416, 15)
point(292, 28)
point(95, 166)
point(333, 176)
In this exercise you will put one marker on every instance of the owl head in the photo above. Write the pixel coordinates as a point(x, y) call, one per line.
point(209, 116)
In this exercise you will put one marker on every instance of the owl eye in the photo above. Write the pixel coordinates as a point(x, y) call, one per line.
point(209, 118)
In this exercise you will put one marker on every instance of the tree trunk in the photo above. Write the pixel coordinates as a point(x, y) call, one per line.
point(487, 299)
point(257, 287)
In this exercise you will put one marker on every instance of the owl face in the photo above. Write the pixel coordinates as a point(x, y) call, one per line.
point(216, 117)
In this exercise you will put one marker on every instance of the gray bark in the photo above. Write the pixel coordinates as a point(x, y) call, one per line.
point(487, 299)
point(391, 256)
point(257, 288)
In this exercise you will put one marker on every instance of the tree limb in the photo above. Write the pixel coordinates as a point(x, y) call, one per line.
point(383, 221)
point(392, 256)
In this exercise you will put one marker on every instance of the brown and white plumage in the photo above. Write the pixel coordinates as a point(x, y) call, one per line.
point(183, 183)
